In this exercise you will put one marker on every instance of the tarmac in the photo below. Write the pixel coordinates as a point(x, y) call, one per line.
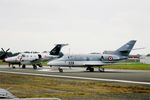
point(110, 75)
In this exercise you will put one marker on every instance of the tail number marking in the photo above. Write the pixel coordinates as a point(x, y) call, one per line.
point(71, 62)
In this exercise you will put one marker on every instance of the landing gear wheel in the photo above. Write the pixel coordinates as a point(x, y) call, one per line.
point(23, 66)
point(60, 70)
point(88, 68)
point(34, 66)
point(91, 69)
point(13, 67)
point(101, 69)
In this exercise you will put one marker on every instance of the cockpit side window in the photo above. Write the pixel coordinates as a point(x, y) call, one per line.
point(23, 55)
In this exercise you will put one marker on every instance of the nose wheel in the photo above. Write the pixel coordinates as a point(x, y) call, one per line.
point(34, 66)
point(60, 69)
point(23, 66)
point(13, 67)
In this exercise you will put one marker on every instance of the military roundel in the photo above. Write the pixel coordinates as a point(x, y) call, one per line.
point(110, 58)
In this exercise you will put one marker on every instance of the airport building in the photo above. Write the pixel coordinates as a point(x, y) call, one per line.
point(145, 59)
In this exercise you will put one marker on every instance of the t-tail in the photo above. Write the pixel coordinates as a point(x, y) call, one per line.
point(56, 50)
point(124, 51)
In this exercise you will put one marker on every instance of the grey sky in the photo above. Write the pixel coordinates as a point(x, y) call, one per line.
point(87, 25)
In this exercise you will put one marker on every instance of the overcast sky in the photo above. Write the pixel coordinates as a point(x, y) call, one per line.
point(87, 25)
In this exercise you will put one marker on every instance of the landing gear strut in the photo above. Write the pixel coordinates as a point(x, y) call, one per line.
point(101, 69)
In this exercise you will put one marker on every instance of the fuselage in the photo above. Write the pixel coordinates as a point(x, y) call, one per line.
point(29, 58)
point(84, 60)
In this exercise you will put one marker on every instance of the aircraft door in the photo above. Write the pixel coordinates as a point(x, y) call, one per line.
point(20, 57)
point(40, 56)
point(101, 58)
point(70, 61)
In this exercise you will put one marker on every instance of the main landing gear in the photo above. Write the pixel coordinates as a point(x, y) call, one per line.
point(13, 65)
point(35, 66)
point(101, 69)
point(23, 66)
point(91, 69)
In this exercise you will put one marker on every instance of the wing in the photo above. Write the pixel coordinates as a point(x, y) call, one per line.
point(94, 63)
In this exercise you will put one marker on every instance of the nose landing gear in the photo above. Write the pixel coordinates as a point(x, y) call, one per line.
point(60, 69)
point(34, 66)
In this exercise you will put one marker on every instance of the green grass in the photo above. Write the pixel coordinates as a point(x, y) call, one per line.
point(1, 62)
point(136, 66)
point(36, 86)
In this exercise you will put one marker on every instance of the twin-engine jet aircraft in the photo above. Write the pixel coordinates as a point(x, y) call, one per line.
point(35, 59)
point(92, 60)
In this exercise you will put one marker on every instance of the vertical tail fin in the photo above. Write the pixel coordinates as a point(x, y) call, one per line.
point(125, 50)
point(56, 50)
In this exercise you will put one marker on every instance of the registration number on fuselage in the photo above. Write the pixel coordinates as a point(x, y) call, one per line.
point(71, 62)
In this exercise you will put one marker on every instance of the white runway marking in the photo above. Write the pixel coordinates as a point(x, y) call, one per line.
point(83, 78)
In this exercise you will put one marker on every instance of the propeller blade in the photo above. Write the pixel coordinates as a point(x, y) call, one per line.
point(3, 50)
point(7, 49)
